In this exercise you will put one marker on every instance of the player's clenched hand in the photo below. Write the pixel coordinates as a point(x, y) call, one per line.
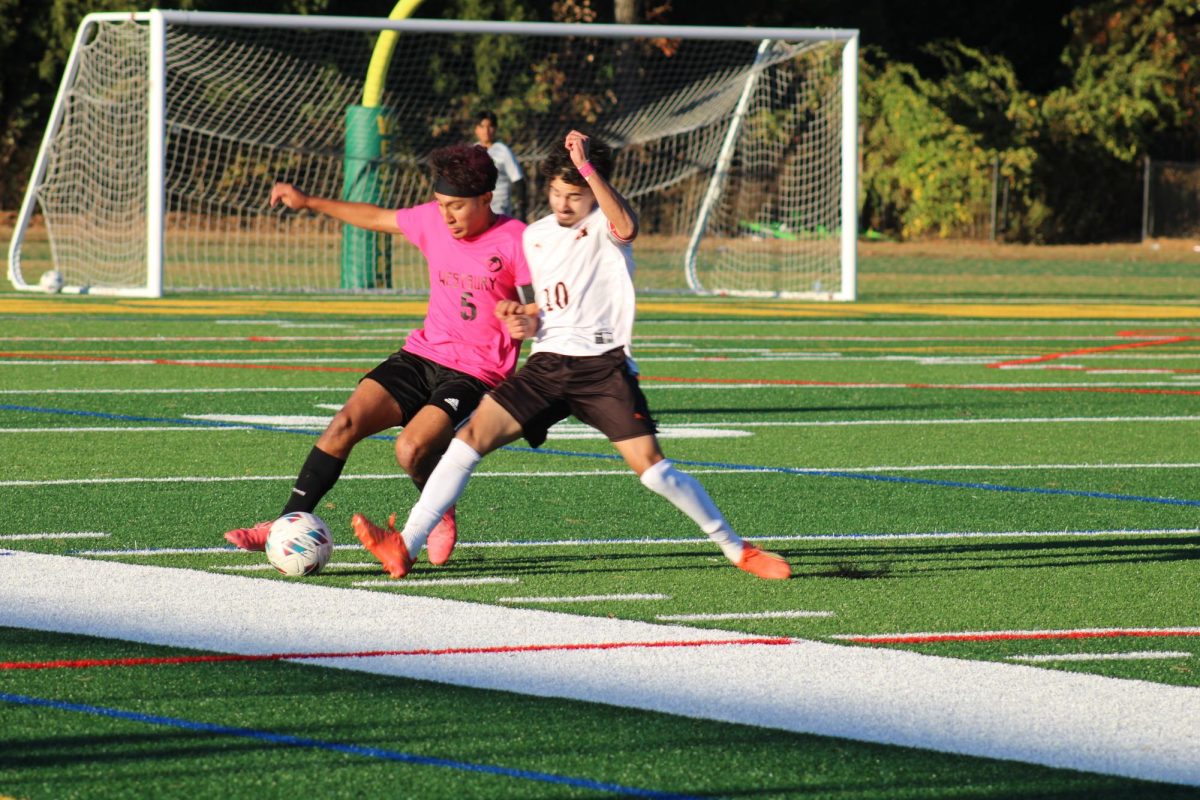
point(289, 195)
point(507, 308)
point(521, 326)
point(577, 146)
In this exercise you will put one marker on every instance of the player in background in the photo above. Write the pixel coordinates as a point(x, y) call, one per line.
point(581, 261)
point(510, 179)
point(436, 380)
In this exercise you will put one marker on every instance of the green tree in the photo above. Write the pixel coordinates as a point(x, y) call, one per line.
point(1135, 68)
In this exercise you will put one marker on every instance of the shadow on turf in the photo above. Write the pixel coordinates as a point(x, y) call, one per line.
point(882, 562)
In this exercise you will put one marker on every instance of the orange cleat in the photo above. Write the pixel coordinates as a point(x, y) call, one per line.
point(763, 564)
point(385, 545)
point(252, 538)
point(440, 543)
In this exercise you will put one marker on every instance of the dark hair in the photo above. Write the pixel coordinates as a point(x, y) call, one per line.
point(468, 167)
point(488, 115)
point(559, 165)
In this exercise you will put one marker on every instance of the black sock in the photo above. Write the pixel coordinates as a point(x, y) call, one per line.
point(318, 475)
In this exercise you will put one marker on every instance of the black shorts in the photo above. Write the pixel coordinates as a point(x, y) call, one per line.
point(598, 390)
point(417, 382)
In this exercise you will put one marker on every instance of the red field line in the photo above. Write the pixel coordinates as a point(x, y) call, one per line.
point(1001, 636)
point(976, 387)
point(658, 378)
point(1089, 350)
point(448, 651)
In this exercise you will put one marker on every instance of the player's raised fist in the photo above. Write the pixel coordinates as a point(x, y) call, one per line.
point(289, 195)
point(577, 146)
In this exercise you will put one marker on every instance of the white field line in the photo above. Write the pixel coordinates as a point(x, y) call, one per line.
point(899, 323)
point(183, 390)
point(584, 598)
point(651, 384)
point(963, 636)
point(654, 385)
point(164, 340)
point(418, 583)
point(191, 362)
point(570, 430)
point(24, 537)
point(1133, 656)
point(266, 567)
point(1056, 718)
point(756, 471)
point(826, 537)
point(133, 429)
point(682, 340)
point(743, 615)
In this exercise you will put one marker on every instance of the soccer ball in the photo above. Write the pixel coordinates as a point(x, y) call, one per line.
point(299, 544)
point(51, 281)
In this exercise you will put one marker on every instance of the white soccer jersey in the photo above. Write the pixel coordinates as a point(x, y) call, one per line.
point(583, 284)
point(508, 172)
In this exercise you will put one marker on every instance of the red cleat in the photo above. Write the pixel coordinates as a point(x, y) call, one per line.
point(763, 564)
point(440, 543)
point(252, 538)
point(386, 545)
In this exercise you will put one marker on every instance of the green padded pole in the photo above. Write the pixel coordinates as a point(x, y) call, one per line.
point(366, 255)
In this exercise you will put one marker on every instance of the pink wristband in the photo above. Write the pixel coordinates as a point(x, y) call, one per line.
point(587, 170)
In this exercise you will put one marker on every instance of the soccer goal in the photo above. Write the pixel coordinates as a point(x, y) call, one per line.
point(737, 147)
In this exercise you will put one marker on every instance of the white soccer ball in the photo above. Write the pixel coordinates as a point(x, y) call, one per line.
point(51, 281)
point(299, 544)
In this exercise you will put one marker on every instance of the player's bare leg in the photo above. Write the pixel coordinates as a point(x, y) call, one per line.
point(418, 449)
point(660, 476)
point(369, 410)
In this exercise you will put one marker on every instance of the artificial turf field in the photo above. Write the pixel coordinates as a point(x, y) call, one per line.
point(1024, 473)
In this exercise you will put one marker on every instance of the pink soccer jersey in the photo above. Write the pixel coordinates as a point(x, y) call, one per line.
point(466, 279)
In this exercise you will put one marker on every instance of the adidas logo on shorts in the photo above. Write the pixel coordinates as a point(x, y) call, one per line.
point(452, 402)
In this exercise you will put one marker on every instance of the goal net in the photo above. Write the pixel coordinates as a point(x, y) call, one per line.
point(735, 146)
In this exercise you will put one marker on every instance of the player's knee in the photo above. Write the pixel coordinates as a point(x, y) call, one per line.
point(411, 455)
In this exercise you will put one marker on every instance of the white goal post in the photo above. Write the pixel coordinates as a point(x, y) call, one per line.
point(737, 147)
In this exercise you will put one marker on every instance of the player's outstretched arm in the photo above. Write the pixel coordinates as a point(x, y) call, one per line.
point(360, 215)
point(614, 206)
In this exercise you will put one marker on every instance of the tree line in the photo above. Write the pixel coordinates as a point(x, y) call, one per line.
point(1061, 99)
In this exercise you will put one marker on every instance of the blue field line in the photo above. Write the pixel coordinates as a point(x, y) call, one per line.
point(349, 749)
point(819, 473)
point(867, 476)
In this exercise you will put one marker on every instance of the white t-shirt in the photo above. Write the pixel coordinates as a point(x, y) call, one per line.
point(583, 285)
point(509, 173)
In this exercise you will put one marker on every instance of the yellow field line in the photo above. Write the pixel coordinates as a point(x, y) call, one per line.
point(415, 307)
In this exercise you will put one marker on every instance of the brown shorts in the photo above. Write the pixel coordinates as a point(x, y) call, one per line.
point(597, 390)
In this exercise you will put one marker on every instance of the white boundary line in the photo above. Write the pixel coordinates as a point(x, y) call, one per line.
point(1057, 718)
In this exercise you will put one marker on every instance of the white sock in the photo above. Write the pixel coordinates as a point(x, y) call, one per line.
point(441, 491)
point(686, 493)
